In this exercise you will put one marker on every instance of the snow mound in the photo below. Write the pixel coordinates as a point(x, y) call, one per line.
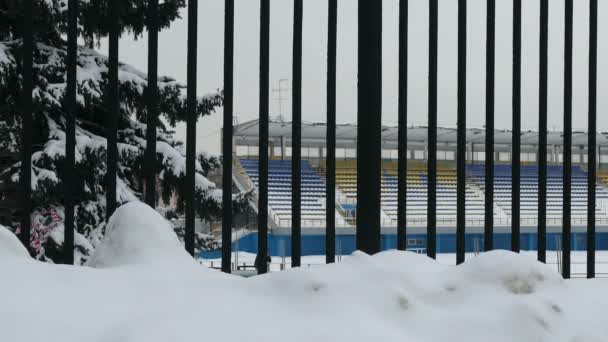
point(137, 234)
point(391, 296)
point(10, 246)
point(516, 273)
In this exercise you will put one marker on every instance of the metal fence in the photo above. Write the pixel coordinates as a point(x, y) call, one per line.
point(369, 125)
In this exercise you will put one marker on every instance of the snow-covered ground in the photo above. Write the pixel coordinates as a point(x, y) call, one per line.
point(578, 263)
point(142, 286)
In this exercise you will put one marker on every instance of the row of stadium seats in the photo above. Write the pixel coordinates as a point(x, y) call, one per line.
point(417, 180)
point(313, 192)
point(417, 194)
point(529, 190)
point(279, 191)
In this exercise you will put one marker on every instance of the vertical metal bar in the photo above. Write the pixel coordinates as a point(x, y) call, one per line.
point(489, 167)
point(557, 254)
point(432, 133)
point(402, 144)
point(152, 102)
point(591, 158)
point(296, 137)
point(236, 250)
point(369, 119)
point(227, 133)
point(542, 132)
point(461, 131)
point(567, 138)
point(27, 108)
point(114, 109)
point(516, 136)
point(263, 145)
point(330, 192)
point(283, 263)
point(191, 124)
point(70, 133)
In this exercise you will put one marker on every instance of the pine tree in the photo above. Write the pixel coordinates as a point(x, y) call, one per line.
point(49, 123)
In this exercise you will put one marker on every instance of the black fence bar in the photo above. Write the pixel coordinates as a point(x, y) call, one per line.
point(369, 125)
point(263, 145)
point(431, 234)
point(516, 136)
point(27, 108)
point(489, 166)
point(567, 140)
point(227, 133)
point(152, 102)
point(402, 135)
point(70, 133)
point(542, 132)
point(330, 175)
point(591, 158)
point(114, 109)
point(296, 137)
point(461, 132)
point(191, 124)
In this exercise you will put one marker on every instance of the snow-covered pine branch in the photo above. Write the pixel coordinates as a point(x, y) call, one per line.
point(49, 140)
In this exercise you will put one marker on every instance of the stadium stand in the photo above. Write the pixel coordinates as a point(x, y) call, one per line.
point(417, 180)
point(313, 192)
point(313, 137)
point(529, 191)
point(279, 192)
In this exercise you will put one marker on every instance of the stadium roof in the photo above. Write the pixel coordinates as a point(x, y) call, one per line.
point(313, 134)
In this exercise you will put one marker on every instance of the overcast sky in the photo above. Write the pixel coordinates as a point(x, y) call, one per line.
point(172, 61)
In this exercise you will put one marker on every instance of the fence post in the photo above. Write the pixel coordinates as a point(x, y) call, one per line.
point(369, 122)
point(476, 247)
point(542, 136)
point(402, 144)
point(461, 132)
point(152, 103)
point(296, 139)
point(27, 107)
point(263, 126)
point(489, 167)
point(236, 249)
point(558, 253)
point(191, 124)
point(567, 139)
point(283, 256)
point(330, 190)
point(70, 133)
point(516, 130)
point(227, 134)
point(432, 133)
point(114, 109)
point(591, 169)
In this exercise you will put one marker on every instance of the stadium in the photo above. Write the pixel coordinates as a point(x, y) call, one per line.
point(245, 177)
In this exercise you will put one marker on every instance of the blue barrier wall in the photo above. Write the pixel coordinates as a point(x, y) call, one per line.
point(446, 243)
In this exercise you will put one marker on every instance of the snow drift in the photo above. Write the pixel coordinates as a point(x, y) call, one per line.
point(10, 246)
point(150, 290)
point(138, 234)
